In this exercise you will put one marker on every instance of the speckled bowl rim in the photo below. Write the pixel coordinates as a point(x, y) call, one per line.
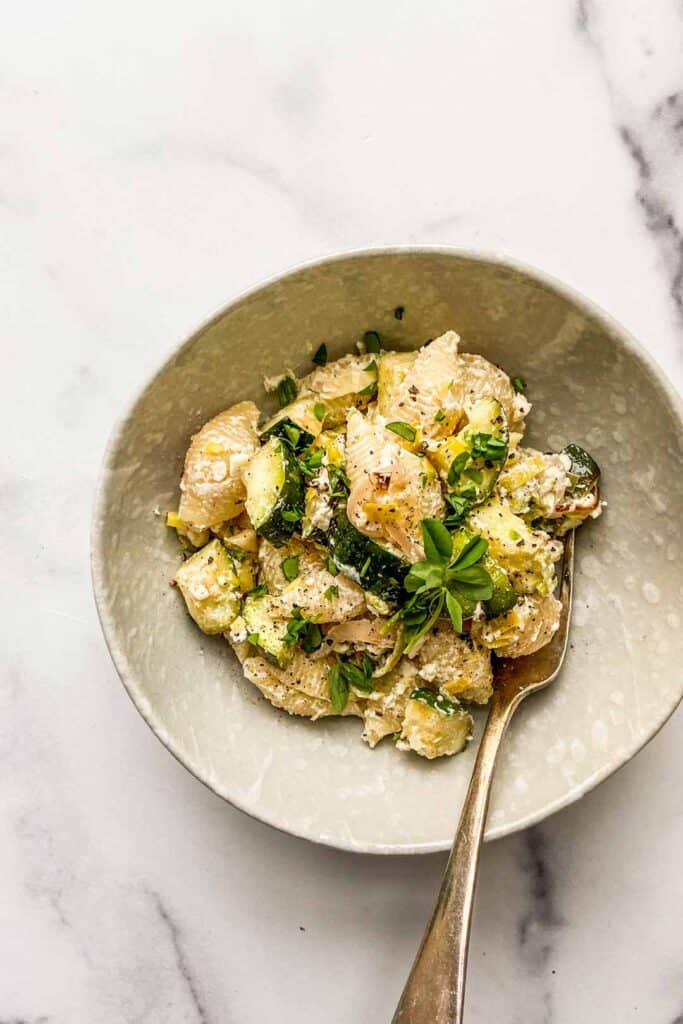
point(97, 553)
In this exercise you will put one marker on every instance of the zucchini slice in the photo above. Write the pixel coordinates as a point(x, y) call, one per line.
point(366, 563)
point(275, 491)
point(583, 473)
point(210, 586)
point(289, 431)
point(503, 597)
point(264, 631)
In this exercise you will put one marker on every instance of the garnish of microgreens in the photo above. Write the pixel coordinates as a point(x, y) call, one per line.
point(444, 582)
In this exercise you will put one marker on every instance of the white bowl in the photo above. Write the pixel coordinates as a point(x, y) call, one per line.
point(589, 381)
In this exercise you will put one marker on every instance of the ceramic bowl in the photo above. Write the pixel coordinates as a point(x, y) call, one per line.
point(589, 382)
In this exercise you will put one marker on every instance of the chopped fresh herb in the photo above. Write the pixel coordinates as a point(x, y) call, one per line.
point(514, 535)
point(332, 568)
point(436, 701)
point(352, 673)
point(451, 575)
point(486, 446)
point(519, 385)
point(302, 630)
point(457, 466)
point(474, 474)
point(253, 638)
point(403, 430)
point(320, 357)
point(311, 461)
point(371, 367)
point(286, 391)
point(292, 434)
point(370, 390)
point(440, 416)
point(365, 567)
point(319, 410)
point(259, 591)
point(290, 567)
point(311, 638)
point(292, 515)
point(339, 482)
point(338, 687)
point(398, 312)
point(372, 343)
point(332, 591)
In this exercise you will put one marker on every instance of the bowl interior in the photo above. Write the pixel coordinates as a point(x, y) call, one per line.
point(588, 383)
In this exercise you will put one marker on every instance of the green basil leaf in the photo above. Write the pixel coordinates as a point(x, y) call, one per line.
point(311, 637)
point(290, 567)
point(403, 430)
point(455, 612)
point(475, 548)
point(475, 575)
point(338, 687)
point(438, 543)
point(319, 410)
point(331, 567)
point(356, 677)
point(456, 467)
point(518, 384)
point(417, 632)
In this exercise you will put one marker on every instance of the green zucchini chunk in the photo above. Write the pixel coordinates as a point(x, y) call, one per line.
point(362, 560)
point(584, 472)
point(290, 432)
point(275, 491)
point(263, 631)
point(503, 597)
point(210, 587)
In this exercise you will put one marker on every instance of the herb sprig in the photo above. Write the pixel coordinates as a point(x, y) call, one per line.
point(304, 632)
point(346, 674)
point(444, 581)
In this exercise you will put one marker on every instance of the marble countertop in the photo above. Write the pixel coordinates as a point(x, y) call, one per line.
point(155, 159)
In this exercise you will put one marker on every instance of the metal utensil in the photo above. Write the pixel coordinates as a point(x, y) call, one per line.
point(435, 990)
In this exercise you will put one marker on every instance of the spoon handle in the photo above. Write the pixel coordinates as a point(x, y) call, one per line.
point(435, 990)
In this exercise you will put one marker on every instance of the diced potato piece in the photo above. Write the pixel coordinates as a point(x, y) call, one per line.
point(527, 556)
point(210, 587)
point(534, 483)
point(524, 629)
point(458, 665)
point(434, 725)
point(211, 488)
point(186, 535)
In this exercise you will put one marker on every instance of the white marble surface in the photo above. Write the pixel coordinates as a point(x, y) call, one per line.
point(154, 160)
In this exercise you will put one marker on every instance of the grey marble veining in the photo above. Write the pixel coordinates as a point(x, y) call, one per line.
point(156, 159)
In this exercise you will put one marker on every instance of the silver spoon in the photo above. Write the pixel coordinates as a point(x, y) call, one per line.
point(435, 990)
